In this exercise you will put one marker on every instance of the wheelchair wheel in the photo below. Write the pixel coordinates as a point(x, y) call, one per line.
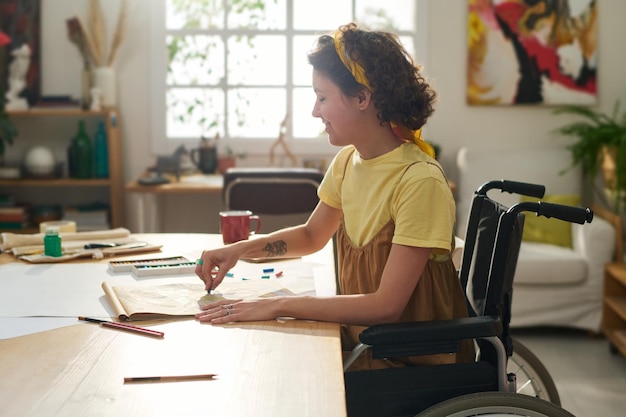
point(533, 378)
point(495, 404)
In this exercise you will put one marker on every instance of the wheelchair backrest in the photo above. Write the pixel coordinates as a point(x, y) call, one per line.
point(492, 243)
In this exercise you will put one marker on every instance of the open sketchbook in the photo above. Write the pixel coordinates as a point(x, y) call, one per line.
point(149, 301)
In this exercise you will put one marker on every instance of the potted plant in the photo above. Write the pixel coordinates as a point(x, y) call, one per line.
point(601, 144)
point(228, 159)
point(8, 132)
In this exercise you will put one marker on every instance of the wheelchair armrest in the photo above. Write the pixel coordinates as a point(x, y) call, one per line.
point(427, 337)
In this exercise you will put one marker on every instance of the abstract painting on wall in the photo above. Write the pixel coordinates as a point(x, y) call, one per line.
point(532, 52)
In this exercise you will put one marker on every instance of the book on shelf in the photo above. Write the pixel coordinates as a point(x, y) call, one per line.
point(13, 217)
point(19, 225)
point(13, 210)
point(147, 301)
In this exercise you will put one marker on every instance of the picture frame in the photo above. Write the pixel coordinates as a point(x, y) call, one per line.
point(21, 21)
point(532, 52)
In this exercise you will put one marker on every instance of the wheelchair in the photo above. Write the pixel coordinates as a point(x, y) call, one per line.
point(488, 385)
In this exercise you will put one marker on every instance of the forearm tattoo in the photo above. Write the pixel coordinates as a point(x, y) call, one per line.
point(277, 248)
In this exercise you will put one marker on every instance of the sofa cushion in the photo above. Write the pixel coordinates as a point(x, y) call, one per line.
point(544, 264)
point(542, 229)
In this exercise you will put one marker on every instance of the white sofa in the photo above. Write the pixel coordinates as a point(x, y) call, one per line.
point(553, 285)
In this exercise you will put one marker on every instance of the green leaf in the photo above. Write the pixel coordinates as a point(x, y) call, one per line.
point(594, 130)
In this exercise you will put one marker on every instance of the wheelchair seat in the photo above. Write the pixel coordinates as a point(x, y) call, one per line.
point(492, 244)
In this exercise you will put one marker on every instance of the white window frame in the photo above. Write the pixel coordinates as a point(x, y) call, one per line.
point(252, 146)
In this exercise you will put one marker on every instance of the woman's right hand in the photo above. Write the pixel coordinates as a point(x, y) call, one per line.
point(215, 264)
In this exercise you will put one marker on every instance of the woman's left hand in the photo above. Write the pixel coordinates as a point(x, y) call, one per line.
point(228, 311)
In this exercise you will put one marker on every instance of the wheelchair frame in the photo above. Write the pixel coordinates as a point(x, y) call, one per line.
point(492, 244)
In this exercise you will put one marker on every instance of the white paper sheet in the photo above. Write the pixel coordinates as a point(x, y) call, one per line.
point(62, 292)
point(71, 290)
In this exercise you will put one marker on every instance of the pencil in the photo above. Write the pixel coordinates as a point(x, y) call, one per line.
point(122, 326)
point(179, 378)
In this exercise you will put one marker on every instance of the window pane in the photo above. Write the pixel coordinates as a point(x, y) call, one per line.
point(268, 14)
point(392, 15)
point(195, 112)
point(257, 60)
point(256, 112)
point(301, 67)
point(195, 60)
point(408, 44)
point(304, 125)
point(321, 14)
point(228, 62)
point(194, 14)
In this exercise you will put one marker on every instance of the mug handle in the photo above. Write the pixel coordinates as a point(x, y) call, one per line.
point(258, 224)
point(193, 155)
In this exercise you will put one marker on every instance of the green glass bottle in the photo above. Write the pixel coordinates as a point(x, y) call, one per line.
point(81, 154)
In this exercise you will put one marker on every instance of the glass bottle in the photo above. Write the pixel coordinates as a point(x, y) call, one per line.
point(81, 153)
point(101, 152)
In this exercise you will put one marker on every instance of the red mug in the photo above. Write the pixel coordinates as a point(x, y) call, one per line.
point(235, 225)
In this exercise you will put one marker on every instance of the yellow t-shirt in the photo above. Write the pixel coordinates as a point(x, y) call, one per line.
point(404, 185)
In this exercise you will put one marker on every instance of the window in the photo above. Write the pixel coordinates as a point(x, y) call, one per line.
point(236, 68)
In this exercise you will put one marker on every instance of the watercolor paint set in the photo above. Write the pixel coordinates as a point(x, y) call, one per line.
point(173, 263)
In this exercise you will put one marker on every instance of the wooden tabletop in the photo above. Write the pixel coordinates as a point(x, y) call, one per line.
point(275, 368)
point(289, 368)
point(187, 184)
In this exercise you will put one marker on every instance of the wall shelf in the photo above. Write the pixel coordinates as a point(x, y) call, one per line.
point(113, 185)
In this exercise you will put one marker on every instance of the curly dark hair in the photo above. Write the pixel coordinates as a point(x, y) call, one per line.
point(400, 92)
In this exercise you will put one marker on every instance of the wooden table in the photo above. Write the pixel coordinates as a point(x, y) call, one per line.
point(149, 196)
point(276, 368)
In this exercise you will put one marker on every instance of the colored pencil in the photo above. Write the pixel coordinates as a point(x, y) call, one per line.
point(178, 378)
point(122, 326)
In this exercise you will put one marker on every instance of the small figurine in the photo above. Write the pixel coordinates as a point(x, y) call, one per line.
point(17, 78)
point(174, 164)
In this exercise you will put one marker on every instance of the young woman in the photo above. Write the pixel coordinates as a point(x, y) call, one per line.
point(384, 195)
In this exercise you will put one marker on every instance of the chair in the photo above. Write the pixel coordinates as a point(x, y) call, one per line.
point(489, 260)
point(277, 192)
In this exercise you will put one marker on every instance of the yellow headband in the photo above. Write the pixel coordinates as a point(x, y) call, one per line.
point(358, 73)
point(354, 67)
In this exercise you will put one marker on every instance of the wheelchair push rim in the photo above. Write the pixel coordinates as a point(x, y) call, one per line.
point(495, 404)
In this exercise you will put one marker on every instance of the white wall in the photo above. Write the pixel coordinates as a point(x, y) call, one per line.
point(456, 124)
point(453, 125)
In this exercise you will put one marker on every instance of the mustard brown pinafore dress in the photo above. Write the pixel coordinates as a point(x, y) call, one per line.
point(438, 295)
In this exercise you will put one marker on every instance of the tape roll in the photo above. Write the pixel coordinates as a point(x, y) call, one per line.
point(64, 226)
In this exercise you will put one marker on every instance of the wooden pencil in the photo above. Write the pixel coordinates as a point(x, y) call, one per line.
point(172, 378)
point(123, 326)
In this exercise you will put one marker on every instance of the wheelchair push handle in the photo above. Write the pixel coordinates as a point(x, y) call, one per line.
point(514, 187)
point(524, 188)
point(568, 213)
point(571, 214)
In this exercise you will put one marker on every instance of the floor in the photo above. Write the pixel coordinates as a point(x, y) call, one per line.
point(590, 379)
